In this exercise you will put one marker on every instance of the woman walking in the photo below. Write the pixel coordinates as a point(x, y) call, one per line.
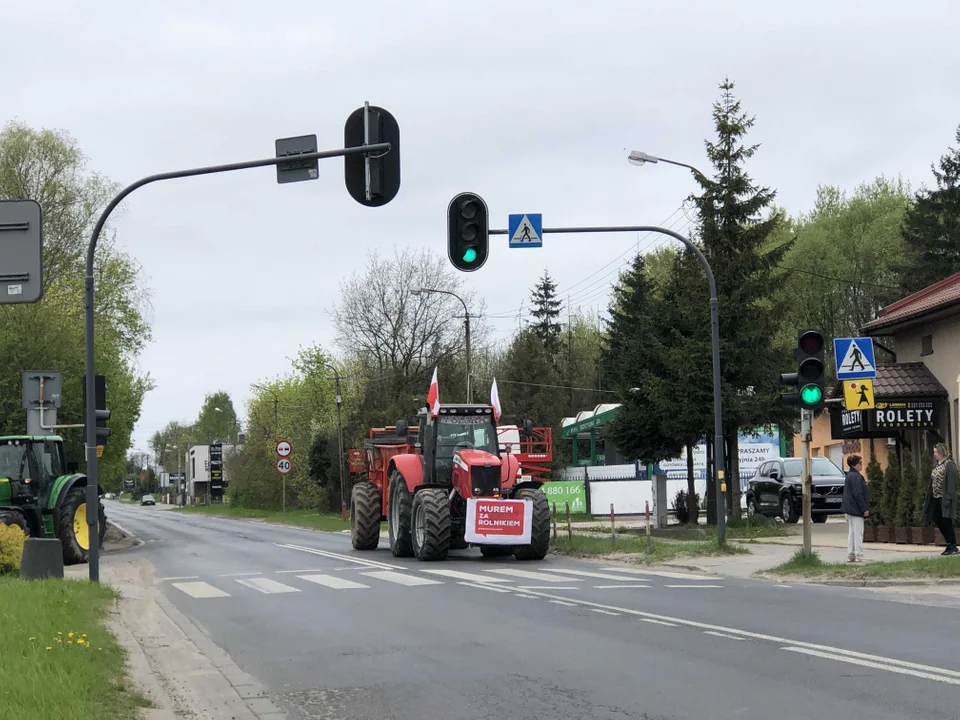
point(940, 504)
point(856, 506)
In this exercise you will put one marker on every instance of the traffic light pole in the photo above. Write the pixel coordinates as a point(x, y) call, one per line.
point(806, 429)
point(719, 454)
point(93, 494)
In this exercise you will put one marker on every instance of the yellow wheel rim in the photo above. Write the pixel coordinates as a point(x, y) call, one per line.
point(80, 530)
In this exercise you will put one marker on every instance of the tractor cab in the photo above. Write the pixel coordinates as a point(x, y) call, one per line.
point(29, 466)
point(461, 435)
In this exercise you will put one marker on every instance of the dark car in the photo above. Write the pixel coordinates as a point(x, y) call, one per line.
point(147, 500)
point(776, 489)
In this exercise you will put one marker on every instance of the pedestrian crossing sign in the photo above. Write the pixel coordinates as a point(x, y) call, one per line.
point(525, 230)
point(855, 360)
point(858, 394)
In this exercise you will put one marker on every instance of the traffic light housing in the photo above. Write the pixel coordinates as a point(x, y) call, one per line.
point(100, 408)
point(468, 232)
point(380, 127)
point(809, 381)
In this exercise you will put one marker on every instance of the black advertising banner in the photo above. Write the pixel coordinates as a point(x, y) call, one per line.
point(887, 419)
point(216, 470)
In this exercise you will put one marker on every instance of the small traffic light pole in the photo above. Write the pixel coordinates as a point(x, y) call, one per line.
point(719, 454)
point(91, 417)
point(806, 430)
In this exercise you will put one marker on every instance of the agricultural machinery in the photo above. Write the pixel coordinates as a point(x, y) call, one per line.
point(447, 484)
point(39, 496)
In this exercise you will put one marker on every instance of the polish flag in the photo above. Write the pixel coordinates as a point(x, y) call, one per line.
point(495, 400)
point(433, 396)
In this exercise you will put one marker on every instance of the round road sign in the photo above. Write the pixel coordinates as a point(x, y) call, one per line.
point(284, 449)
point(284, 466)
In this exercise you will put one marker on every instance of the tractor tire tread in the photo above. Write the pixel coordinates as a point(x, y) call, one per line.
point(14, 519)
point(365, 516)
point(401, 538)
point(73, 554)
point(540, 527)
point(436, 524)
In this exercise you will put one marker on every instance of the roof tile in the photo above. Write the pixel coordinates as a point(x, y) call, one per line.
point(939, 295)
point(902, 380)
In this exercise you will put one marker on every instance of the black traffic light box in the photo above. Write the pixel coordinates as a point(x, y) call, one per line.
point(809, 381)
point(468, 232)
point(100, 408)
point(380, 127)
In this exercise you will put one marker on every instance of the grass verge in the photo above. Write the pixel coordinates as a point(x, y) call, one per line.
point(59, 657)
point(759, 527)
point(916, 569)
point(660, 552)
point(298, 518)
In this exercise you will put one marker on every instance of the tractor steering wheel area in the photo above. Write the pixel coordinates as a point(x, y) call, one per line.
point(463, 445)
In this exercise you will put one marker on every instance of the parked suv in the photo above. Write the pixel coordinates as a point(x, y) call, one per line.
point(776, 489)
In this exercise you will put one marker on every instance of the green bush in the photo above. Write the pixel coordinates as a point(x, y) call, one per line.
point(891, 483)
point(908, 483)
point(11, 548)
point(875, 486)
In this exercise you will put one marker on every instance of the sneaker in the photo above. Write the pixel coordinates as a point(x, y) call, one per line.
point(851, 558)
point(860, 558)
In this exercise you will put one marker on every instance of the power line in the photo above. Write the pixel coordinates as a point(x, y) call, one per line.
point(836, 279)
point(558, 387)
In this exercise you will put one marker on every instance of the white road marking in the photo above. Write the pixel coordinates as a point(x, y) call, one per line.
point(331, 581)
point(344, 558)
point(200, 590)
point(243, 574)
point(662, 573)
point(611, 587)
point(310, 570)
point(266, 585)
point(485, 586)
point(563, 602)
point(697, 585)
point(589, 574)
point(182, 577)
point(525, 597)
point(547, 587)
point(400, 578)
point(884, 662)
point(469, 577)
point(875, 665)
point(530, 575)
point(722, 635)
point(604, 612)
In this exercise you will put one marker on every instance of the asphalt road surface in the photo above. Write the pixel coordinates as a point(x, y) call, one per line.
point(336, 633)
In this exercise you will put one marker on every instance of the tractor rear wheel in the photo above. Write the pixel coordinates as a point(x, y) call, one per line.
point(14, 519)
point(365, 508)
point(495, 551)
point(431, 524)
point(72, 528)
point(540, 527)
point(400, 512)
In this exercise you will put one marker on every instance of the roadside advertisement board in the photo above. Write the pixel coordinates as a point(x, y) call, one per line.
point(499, 522)
point(560, 492)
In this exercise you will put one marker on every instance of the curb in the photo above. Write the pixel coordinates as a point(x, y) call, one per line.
point(864, 583)
point(137, 542)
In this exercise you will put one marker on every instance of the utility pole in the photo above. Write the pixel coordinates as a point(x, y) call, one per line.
point(806, 429)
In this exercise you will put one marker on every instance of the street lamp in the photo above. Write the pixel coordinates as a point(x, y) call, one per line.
point(641, 158)
point(418, 292)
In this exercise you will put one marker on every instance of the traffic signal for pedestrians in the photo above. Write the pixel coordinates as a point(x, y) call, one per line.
point(809, 381)
point(100, 409)
point(374, 125)
point(468, 232)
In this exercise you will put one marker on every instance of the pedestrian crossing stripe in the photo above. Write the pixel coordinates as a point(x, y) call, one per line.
point(266, 585)
point(400, 578)
point(333, 582)
point(200, 590)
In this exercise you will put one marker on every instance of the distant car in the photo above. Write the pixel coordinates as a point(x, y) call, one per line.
point(776, 489)
point(147, 500)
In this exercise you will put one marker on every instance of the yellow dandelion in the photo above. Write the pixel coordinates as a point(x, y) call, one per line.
point(59, 633)
point(69, 634)
point(33, 638)
point(49, 648)
point(101, 649)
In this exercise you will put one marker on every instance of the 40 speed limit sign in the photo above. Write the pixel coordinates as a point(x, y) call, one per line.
point(283, 466)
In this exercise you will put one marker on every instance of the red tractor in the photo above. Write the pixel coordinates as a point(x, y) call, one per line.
point(446, 485)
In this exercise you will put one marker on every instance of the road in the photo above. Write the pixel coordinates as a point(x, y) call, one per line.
point(335, 633)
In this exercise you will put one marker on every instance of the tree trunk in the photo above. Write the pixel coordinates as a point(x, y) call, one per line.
point(711, 485)
point(693, 515)
point(733, 479)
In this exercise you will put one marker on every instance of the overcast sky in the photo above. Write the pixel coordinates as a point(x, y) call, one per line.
point(533, 105)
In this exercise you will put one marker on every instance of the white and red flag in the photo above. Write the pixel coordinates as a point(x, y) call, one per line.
point(433, 396)
point(495, 400)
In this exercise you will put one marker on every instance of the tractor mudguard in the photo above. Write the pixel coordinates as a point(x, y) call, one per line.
point(535, 484)
point(64, 484)
point(509, 469)
point(410, 469)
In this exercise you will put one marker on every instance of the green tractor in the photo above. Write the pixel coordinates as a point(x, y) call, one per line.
point(39, 496)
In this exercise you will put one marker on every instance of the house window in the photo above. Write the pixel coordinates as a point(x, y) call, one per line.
point(926, 345)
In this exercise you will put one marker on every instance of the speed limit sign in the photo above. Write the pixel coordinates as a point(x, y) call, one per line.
point(284, 466)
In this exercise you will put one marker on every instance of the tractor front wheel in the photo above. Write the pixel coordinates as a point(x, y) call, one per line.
point(431, 524)
point(14, 519)
point(72, 528)
point(365, 510)
point(400, 512)
point(540, 527)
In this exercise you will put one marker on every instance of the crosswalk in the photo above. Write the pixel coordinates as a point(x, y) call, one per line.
point(495, 579)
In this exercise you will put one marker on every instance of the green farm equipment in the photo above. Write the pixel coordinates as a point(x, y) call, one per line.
point(39, 496)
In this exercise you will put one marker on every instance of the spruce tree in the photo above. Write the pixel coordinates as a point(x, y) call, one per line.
point(546, 311)
point(931, 228)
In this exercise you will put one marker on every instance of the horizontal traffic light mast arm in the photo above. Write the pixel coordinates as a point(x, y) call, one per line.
point(605, 229)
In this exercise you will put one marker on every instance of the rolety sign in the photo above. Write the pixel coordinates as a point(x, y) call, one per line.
point(499, 522)
point(904, 415)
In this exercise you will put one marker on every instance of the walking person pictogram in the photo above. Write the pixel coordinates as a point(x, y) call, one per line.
point(525, 237)
point(864, 396)
point(857, 359)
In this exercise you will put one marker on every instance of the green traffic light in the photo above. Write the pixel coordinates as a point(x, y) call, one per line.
point(470, 255)
point(811, 394)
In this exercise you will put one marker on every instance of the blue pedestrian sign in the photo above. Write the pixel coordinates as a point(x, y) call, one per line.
point(855, 360)
point(525, 230)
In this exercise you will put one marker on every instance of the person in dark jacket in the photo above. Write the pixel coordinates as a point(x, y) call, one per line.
point(856, 506)
point(940, 504)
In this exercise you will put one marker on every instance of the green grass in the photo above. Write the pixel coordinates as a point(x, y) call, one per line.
point(299, 518)
point(916, 569)
point(46, 672)
point(759, 527)
point(590, 546)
